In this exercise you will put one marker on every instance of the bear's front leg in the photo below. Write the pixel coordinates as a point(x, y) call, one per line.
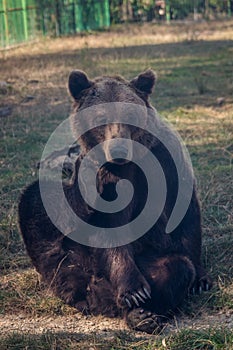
point(132, 287)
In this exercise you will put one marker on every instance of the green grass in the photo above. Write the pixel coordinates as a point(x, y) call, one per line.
point(194, 71)
point(211, 339)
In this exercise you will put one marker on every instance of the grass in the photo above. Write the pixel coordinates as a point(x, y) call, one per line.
point(211, 339)
point(194, 92)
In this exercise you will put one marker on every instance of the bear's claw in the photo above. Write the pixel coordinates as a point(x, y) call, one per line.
point(138, 297)
point(135, 300)
point(147, 292)
point(128, 302)
point(204, 284)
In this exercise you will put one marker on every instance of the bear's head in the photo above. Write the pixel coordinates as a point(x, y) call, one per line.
point(103, 107)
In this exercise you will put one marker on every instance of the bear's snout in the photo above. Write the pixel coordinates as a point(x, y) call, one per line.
point(118, 151)
point(119, 154)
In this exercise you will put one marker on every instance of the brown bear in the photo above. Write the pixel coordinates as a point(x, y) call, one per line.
point(146, 279)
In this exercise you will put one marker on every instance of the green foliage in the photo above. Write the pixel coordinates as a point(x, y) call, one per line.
point(138, 10)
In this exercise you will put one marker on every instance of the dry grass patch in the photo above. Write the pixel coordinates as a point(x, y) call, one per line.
point(23, 291)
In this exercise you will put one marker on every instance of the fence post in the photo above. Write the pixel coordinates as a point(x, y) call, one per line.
point(6, 22)
point(229, 8)
point(206, 9)
point(74, 17)
point(107, 14)
point(168, 16)
point(195, 15)
point(25, 23)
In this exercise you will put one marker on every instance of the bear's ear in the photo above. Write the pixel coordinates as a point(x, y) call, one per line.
point(78, 82)
point(144, 82)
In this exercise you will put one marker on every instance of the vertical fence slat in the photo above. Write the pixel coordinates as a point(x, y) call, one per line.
point(106, 14)
point(229, 8)
point(6, 23)
point(25, 22)
point(168, 16)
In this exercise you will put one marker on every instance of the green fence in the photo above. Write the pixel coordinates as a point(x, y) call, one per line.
point(23, 20)
point(17, 21)
point(73, 16)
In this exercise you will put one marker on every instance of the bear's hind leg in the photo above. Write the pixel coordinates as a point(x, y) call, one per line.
point(63, 263)
point(170, 278)
point(64, 267)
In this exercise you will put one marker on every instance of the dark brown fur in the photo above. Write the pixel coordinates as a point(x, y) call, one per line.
point(107, 281)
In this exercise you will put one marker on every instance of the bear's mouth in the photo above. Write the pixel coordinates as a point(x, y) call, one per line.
point(119, 161)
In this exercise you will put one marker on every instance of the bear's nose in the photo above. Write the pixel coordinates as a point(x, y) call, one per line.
point(119, 154)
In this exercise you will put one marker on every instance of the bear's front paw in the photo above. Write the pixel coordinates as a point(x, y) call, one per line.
point(134, 293)
point(202, 283)
point(145, 321)
point(82, 306)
